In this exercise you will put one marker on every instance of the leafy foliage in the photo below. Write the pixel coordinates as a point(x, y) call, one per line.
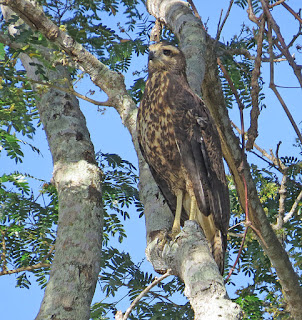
point(17, 109)
point(121, 277)
point(119, 192)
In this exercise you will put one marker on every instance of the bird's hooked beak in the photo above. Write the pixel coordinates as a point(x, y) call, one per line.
point(151, 55)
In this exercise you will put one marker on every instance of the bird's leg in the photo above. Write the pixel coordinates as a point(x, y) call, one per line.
point(193, 209)
point(176, 224)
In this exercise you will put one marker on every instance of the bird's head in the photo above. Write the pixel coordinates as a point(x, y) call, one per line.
point(165, 57)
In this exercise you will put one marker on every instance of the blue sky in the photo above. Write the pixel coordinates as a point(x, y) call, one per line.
point(110, 136)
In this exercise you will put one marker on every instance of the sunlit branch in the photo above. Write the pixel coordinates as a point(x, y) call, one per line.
point(251, 13)
point(293, 208)
point(276, 3)
point(28, 268)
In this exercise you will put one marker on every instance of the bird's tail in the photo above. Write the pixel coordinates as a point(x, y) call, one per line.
point(214, 237)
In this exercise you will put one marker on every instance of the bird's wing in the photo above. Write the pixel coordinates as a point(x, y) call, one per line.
point(165, 190)
point(199, 146)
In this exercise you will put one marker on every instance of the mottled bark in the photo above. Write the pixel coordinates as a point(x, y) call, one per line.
point(189, 257)
point(77, 178)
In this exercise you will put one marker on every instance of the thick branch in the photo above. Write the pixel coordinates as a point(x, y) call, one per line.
point(190, 259)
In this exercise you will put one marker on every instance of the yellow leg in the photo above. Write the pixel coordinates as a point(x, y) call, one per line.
point(193, 209)
point(176, 224)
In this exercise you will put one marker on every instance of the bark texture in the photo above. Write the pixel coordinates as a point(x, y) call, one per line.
point(189, 258)
point(77, 178)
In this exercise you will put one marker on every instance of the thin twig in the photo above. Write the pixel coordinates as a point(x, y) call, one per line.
point(287, 7)
point(143, 293)
point(284, 48)
point(238, 256)
point(28, 268)
point(220, 27)
point(273, 87)
point(230, 82)
point(248, 55)
point(290, 117)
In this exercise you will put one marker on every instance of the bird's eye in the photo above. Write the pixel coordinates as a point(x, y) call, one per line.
point(167, 52)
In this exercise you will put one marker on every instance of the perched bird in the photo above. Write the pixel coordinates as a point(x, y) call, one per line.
point(180, 142)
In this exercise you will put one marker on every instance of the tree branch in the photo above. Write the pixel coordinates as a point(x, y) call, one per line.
point(281, 211)
point(255, 112)
point(287, 7)
point(293, 209)
point(28, 268)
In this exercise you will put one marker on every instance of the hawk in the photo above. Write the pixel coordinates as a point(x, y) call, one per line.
point(181, 145)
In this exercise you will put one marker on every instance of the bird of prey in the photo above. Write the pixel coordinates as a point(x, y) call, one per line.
point(181, 145)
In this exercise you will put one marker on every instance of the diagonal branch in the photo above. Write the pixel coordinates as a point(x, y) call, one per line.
point(294, 207)
point(287, 7)
point(220, 27)
point(112, 83)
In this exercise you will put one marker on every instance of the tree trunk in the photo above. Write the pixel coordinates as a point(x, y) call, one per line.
point(77, 178)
